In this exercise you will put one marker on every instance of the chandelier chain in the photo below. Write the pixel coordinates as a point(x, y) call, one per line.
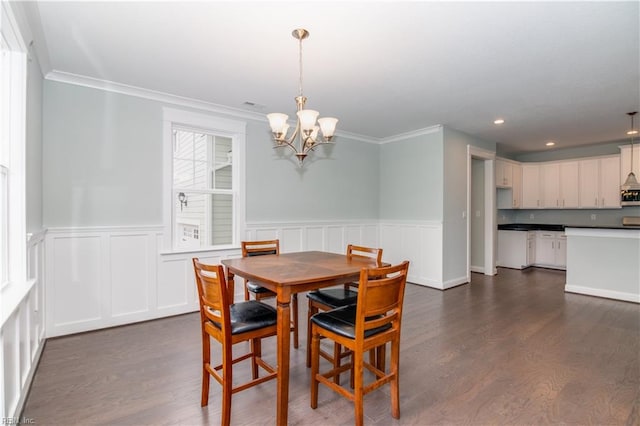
point(300, 62)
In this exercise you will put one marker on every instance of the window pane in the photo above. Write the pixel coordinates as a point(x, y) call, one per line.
point(4, 226)
point(223, 168)
point(203, 220)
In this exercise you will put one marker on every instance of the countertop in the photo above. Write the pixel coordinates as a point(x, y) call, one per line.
point(555, 227)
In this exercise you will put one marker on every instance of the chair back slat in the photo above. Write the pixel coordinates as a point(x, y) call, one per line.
point(362, 252)
point(260, 248)
point(380, 297)
point(212, 293)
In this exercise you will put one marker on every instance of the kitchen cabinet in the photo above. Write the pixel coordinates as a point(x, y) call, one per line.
point(560, 182)
point(551, 249)
point(530, 186)
point(504, 174)
point(599, 187)
point(625, 161)
point(516, 187)
point(510, 198)
point(516, 249)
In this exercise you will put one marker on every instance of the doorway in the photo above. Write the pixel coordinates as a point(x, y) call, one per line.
point(481, 211)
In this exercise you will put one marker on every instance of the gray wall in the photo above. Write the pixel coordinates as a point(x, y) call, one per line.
point(455, 201)
point(608, 148)
point(411, 176)
point(102, 162)
point(102, 166)
point(337, 182)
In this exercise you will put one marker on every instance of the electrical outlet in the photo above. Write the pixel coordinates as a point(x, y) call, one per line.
point(593, 217)
point(477, 213)
point(531, 216)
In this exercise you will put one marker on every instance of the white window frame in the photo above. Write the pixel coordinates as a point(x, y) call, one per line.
point(236, 130)
point(13, 145)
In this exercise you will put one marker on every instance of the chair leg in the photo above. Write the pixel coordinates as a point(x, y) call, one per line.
point(395, 383)
point(337, 351)
point(256, 352)
point(358, 388)
point(294, 312)
point(206, 360)
point(227, 384)
point(381, 358)
point(315, 365)
point(246, 291)
point(310, 312)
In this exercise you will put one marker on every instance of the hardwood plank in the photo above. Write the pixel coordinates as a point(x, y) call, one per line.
point(509, 349)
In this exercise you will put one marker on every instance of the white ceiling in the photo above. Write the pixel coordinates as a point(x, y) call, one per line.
point(566, 71)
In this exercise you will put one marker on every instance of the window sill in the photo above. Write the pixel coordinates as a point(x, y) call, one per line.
point(12, 296)
point(179, 252)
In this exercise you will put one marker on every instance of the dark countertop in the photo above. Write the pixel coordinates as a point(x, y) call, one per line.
point(530, 227)
point(556, 228)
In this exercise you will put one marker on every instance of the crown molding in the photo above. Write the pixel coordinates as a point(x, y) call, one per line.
point(125, 89)
point(403, 136)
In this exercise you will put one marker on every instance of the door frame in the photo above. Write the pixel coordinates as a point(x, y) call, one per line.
point(490, 211)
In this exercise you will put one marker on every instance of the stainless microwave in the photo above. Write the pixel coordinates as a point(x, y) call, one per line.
point(630, 197)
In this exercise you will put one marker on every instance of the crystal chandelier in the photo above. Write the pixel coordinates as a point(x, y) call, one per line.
point(307, 135)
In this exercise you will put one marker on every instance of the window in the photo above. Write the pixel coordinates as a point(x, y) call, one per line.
point(205, 184)
point(12, 152)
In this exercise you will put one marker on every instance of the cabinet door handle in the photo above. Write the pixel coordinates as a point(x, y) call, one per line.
point(602, 201)
point(596, 202)
point(563, 203)
point(553, 244)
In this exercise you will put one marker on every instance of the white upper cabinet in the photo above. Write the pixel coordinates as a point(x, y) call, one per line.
point(550, 175)
point(560, 185)
point(569, 185)
point(504, 174)
point(516, 201)
point(609, 185)
point(530, 186)
point(590, 183)
point(599, 187)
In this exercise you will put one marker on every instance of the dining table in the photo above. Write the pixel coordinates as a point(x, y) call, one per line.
point(287, 274)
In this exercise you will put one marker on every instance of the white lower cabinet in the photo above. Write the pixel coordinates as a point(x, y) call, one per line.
point(521, 249)
point(516, 249)
point(551, 249)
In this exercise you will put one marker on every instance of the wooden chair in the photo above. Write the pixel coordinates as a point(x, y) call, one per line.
point(261, 248)
point(332, 298)
point(372, 323)
point(230, 324)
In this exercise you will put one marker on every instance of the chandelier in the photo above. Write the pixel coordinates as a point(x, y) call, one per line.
point(307, 135)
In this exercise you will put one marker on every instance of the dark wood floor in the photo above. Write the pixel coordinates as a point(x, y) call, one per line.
point(512, 349)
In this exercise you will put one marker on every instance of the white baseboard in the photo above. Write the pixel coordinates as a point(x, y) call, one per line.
point(598, 292)
point(454, 282)
point(478, 269)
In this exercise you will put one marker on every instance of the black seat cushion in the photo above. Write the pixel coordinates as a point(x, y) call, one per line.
point(250, 315)
point(342, 321)
point(257, 289)
point(334, 297)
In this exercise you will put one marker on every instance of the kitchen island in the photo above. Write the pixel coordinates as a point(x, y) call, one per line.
point(604, 261)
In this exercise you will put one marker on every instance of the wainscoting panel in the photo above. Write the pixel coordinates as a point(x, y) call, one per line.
point(107, 276)
point(129, 277)
point(22, 333)
point(421, 244)
point(76, 271)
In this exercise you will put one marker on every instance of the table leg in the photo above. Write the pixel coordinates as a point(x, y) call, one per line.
point(284, 337)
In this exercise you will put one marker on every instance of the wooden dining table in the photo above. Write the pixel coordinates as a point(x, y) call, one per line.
point(285, 275)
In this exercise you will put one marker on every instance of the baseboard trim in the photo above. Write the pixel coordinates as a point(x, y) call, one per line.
point(607, 294)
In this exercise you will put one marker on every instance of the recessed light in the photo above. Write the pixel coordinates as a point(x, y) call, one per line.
point(550, 143)
point(632, 132)
point(498, 121)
